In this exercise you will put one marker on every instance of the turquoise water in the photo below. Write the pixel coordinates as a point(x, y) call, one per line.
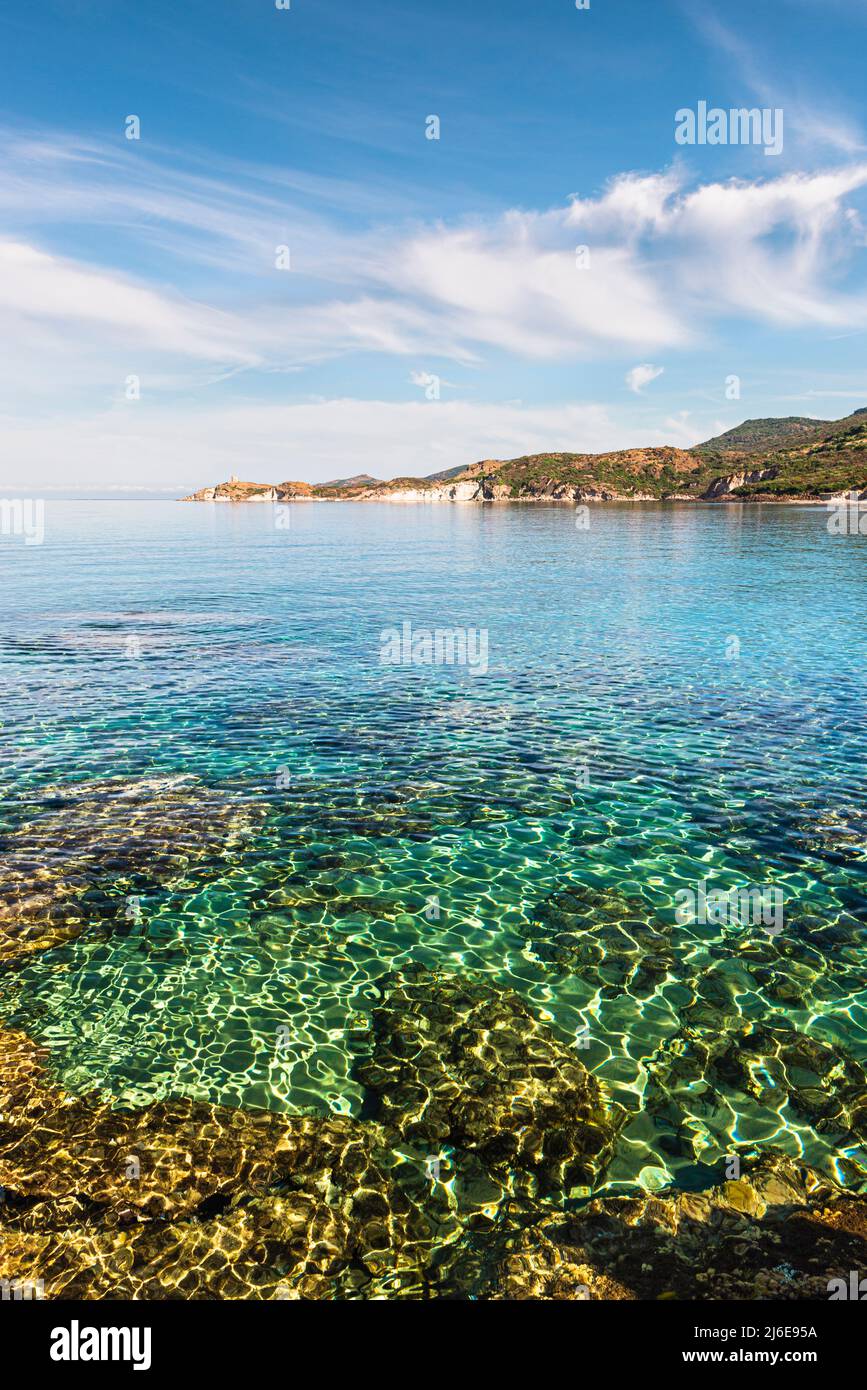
point(530, 823)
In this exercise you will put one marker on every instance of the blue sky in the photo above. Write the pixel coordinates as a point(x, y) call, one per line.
point(434, 311)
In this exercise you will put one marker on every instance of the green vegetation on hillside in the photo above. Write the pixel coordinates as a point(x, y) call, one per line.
point(804, 458)
point(650, 472)
point(809, 458)
point(760, 436)
point(835, 464)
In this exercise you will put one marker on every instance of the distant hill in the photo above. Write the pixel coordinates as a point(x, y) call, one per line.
point(649, 473)
point(357, 480)
point(448, 473)
point(835, 462)
point(758, 436)
point(791, 458)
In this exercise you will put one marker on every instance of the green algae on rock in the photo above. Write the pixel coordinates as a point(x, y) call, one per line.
point(456, 1063)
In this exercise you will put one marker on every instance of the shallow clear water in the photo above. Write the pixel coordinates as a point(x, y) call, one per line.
point(618, 747)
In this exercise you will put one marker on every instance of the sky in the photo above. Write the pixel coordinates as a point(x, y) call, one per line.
point(285, 276)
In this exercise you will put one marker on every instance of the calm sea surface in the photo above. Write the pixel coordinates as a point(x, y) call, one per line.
point(674, 695)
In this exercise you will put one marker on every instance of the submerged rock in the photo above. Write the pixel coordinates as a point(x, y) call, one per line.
point(184, 1199)
point(165, 1159)
point(778, 1232)
point(91, 837)
point(603, 936)
point(770, 1064)
point(456, 1063)
point(457, 1182)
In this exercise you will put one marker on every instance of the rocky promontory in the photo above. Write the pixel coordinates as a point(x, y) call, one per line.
point(761, 460)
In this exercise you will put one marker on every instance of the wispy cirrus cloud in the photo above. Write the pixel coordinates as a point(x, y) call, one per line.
point(808, 115)
point(662, 258)
point(517, 265)
point(650, 264)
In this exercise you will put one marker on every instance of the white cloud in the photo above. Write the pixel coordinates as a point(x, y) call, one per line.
point(639, 377)
point(515, 286)
point(665, 261)
point(44, 289)
point(767, 250)
point(429, 378)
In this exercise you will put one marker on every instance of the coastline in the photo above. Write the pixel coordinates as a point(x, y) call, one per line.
point(425, 499)
point(757, 462)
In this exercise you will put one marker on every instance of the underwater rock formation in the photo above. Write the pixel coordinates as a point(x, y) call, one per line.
point(464, 1177)
point(771, 1064)
point(191, 1200)
point(57, 865)
point(605, 937)
point(777, 1232)
point(183, 1199)
point(456, 1063)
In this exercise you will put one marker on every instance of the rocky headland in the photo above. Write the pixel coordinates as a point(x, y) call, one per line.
point(787, 460)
